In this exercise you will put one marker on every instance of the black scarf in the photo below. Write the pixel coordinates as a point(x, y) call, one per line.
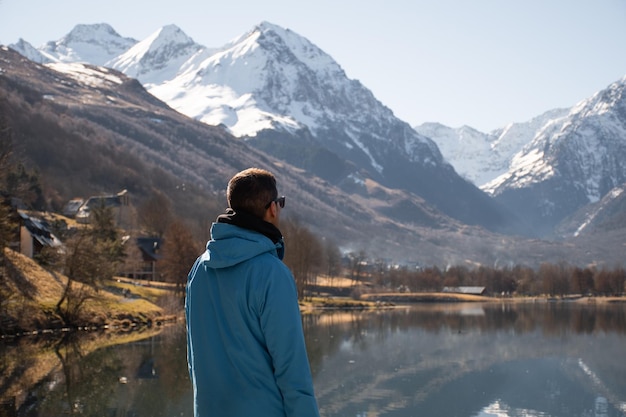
point(251, 222)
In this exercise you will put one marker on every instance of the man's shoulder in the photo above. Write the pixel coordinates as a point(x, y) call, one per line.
point(268, 260)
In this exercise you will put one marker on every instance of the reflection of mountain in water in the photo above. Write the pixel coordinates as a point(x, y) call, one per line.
point(427, 362)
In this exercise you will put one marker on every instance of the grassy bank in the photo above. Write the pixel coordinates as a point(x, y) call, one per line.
point(32, 293)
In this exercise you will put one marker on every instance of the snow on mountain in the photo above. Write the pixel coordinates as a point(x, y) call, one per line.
point(225, 87)
point(94, 44)
point(88, 75)
point(159, 57)
point(276, 89)
point(609, 198)
point(29, 51)
point(469, 151)
point(273, 87)
point(572, 162)
point(585, 147)
point(272, 78)
point(551, 167)
point(268, 78)
point(482, 157)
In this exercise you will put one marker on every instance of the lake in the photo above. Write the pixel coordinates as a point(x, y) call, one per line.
point(467, 360)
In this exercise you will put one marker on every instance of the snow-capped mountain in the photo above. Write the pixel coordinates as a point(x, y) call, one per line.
point(573, 161)
point(553, 169)
point(590, 141)
point(94, 44)
point(160, 57)
point(281, 93)
point(29, 51)
point(482, 157)
point(86, 128)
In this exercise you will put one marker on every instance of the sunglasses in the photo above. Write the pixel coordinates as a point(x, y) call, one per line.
point(278, 200)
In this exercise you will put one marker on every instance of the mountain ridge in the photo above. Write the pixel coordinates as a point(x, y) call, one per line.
point(352, 149)
point(482, 157)
point(272, 85)
point(96, 130)
point(562, 163)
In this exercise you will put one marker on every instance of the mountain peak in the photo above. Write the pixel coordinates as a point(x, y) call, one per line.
point(94, 44)
point(29, 51)
point(90, 33)
point(265, 26)
point(158, 57)
point(170, 34)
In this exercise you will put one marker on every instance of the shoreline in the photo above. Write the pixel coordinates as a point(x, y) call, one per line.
point(386, 300)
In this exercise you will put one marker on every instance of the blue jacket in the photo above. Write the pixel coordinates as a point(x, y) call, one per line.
point(245, 344)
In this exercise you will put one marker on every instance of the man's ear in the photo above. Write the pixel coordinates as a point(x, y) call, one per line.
point(271, 212)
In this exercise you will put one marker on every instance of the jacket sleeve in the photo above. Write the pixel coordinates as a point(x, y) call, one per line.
point(282, 327)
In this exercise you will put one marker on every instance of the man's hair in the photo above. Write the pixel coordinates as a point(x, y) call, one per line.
point(251, 190)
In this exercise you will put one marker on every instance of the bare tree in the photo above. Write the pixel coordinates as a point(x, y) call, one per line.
point(610, 282)
point(331, 259)
point(582, 280)
point(357, 265)
point(555, 278)
point(92, 255)
point(80, 262)
point(180, 250)
point(155, 214)
point(303, 254)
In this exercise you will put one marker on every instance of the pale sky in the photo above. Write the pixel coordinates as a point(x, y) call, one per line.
point(481, 63)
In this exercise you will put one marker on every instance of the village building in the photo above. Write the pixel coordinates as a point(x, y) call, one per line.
point(150, 254)
point(465, 290)
point(35, 234)
point(119, 203)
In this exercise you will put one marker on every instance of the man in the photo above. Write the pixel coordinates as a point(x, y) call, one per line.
point(245, 345)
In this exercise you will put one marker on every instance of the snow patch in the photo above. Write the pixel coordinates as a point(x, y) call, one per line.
point(94, 77)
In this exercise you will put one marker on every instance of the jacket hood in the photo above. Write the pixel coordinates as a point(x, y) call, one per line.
point(230, 245)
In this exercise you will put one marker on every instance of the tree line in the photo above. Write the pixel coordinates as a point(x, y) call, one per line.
point(549, 279)
point(309, 256)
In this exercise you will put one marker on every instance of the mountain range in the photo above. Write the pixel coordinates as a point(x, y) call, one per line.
point(552, 168)
point(275, 91)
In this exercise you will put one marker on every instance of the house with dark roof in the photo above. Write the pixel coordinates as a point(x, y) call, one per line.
point(71, 207)
point(35, 234)
point(150, 248)
point(142, 264)
point(119, 203)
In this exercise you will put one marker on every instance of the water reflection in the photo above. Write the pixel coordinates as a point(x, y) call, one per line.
point(544, 359)
point(52, 377)
point(469, 360)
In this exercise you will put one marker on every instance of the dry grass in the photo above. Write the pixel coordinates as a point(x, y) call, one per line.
point(339, 303)
point(27, 277)
point(35, 292)
point(142, 290)
point(337, 282)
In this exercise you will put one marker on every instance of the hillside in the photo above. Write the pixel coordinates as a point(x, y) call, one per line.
point(285, 96)
point(33, 293)
point(93, 130)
